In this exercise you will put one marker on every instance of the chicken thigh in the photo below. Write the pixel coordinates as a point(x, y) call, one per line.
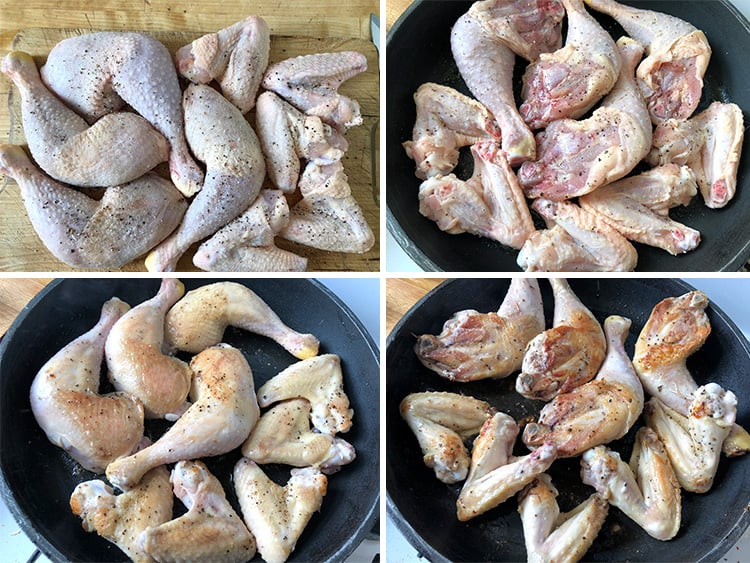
point(118, 148)
point(200, 318)
point(97, 73)
point(475, 345)
point(565, 356)
point(597, 412)
point(223, 413)
point(135, 362)
point(84, 232)
point(236, 56)
point(94, 429)
point(576, 157)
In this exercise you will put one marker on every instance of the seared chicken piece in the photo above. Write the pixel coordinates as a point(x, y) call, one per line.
point(223, 413)
point(320, 381)
point(694, 442)
point(551, 536)
point(442, 422)
point(575, 240)
point(283, 435)
point(638, 207)
point(118, 148)
point(489, 204)
point(646, 489)
point(710, 144)
point(277, 515)
point(84, 232)
point(568, 82)
point(477, 345)
point(236, 57)
point(220, 136)
point(495, 474)
point(97, 73)
point(576, 157)
point(671, 76)
point(135, 362)
point(676, 328)
point(94, 429)
point(311, 82)
point(565, 356)
point(209, 531)
point(597, 412)
point(446, 121)
point(200, 318)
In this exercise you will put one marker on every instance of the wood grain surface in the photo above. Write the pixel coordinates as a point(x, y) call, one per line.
point(402, 293)
point(297, 27)
point(15, 293)
point(393, 9)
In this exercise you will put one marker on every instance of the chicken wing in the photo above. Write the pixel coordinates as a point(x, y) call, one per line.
point(477, 345)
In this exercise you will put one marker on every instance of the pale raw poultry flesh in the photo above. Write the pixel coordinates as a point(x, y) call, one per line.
point(88, 233)
point(118, 148)
point(115, 68)
point(475, 345)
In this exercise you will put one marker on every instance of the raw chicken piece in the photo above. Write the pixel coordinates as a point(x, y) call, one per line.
point(671, 76)
point(477, 345)
point(223, 412)
point(97, 73)
point(646, 489)
point(247, 244)
point(575, 241)
point(311, 83)
point(83, 232)
point(570, 81)
point(676, 328)
point(576, 157)
point(277, 515)
point(320, 381)
point(441, 422)
point(200, 318)
point(597, 412)
point(118, 148)
point(94, 429)
point(220, 136)
point(694, 442)
point(638, 207)
point(283, 435)
point(209, 531)
point(236, 56)
point(565, 356)
point(710, 144)
point(446, 121)
point(551, 536)
point(496, 474)
point(489, 204)
point(135, 362)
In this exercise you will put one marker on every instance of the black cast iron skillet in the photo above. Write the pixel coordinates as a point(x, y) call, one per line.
point(418, 51)
point(424, 509)
point(38, 478)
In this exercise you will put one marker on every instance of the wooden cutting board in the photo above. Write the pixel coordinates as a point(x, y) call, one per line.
point(21, 250)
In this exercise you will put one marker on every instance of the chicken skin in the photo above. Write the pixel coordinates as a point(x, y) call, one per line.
point(210, 530)
point(441, 422)
point(568, 82)
point(565, 356)
point(223, 413)
point(597, 412)
point(475, 345)
point(489, 204)
point(200, 318)
point(97, 73)
point(646, 489)
point(118, 148)
point(94, 429)
point(671, 76)
point(135, 362)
